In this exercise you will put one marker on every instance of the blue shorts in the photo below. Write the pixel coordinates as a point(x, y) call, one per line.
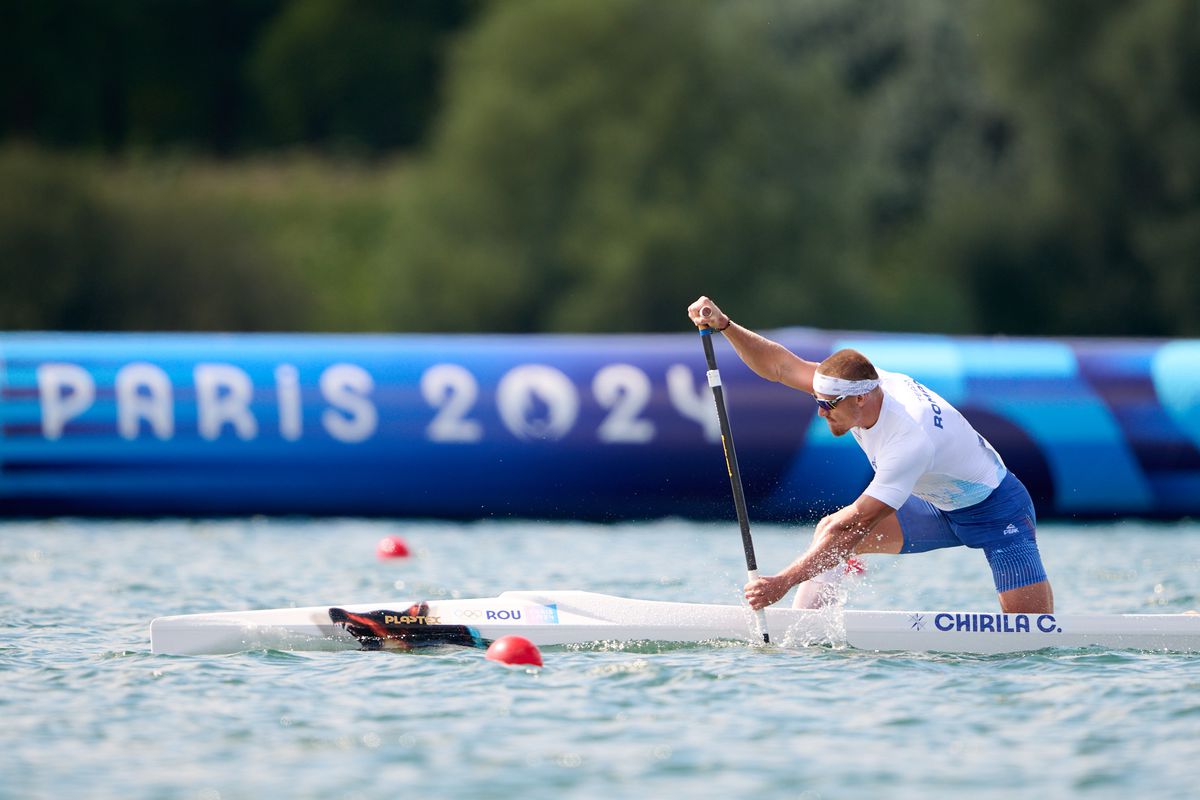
point(1004, 526)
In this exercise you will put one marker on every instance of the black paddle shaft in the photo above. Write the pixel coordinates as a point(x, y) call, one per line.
point(731, 462)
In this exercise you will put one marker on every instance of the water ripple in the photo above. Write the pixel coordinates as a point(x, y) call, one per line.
point(89, 712)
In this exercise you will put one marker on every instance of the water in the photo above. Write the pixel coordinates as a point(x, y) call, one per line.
point(87, 711)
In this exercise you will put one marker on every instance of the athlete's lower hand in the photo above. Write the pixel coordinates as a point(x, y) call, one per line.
point(764, 591)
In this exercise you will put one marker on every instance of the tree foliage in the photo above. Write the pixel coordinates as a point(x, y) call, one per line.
point(1106, 98)
point(971, 167)
point(75, 257)
point(597, 163)
point(224, 77)
point(353, 73)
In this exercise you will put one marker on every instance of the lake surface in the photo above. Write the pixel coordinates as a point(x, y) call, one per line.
point(87, 711)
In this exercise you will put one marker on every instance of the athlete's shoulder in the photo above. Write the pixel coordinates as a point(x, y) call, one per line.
point(898, 418)
point(900, 394)
point(894, 380)
point(899, 435)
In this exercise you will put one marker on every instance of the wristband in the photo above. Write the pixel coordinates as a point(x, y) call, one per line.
point(728, 322)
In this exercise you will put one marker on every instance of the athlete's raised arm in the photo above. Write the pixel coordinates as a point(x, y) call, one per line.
point(767, 358)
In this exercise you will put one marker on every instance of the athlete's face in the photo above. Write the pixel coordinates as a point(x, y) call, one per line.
point(840, 413)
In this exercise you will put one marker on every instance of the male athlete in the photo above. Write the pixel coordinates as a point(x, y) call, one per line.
point(937, 482)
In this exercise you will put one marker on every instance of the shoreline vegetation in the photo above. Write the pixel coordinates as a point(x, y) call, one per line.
point(556, 166)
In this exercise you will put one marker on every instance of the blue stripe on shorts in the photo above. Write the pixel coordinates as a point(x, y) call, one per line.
point(1004, 526)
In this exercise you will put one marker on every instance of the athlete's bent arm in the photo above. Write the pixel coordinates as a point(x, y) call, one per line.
point(768, 359)
point(838, 535)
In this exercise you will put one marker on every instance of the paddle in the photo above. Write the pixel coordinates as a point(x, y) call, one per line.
point(731, 464)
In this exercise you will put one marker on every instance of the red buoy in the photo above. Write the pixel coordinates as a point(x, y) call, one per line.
point(514, 650)
point(391, 547)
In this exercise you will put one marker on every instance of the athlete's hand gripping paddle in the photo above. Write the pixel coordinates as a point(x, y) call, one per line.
point(731, 464)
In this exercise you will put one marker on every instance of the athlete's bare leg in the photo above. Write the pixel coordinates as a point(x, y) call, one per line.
point(1036, 598)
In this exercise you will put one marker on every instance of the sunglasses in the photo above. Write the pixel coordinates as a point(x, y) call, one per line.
point(829, 405)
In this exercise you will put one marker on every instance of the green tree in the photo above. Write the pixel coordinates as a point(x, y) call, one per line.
point(358, 74)
point(75, 256)
point(929, 136)
point(1106, 100)
point(134, 74)
point(599, 164)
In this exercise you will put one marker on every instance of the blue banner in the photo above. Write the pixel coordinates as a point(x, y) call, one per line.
point(587, 427)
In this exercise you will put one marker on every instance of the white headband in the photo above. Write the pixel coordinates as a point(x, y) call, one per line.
point(824, 384)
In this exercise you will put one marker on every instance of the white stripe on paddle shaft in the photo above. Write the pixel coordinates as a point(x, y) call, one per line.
point(576, 617)
point(760, 616)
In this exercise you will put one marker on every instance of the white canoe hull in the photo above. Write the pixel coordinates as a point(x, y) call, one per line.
point(576, 617)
